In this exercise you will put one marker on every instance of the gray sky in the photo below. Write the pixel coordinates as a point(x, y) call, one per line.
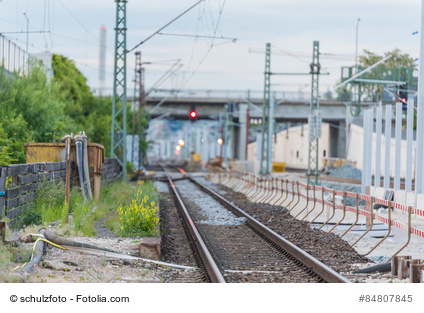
point(73, 30)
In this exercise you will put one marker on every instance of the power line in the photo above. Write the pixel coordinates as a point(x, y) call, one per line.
point(215, 30)
point(155, 33)
point(198, 36)
point(26, 32)
point(77, 20)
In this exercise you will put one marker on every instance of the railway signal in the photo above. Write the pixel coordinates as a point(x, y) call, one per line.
point(193, 114)
point(403, 96)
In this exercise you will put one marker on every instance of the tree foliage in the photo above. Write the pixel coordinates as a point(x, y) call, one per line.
point(396, 68)
point(35, 109)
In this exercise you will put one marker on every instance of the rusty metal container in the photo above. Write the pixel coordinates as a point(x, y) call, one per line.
point(46, 152)
point(55, 152)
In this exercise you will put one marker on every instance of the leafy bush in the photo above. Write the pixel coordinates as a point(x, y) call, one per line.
point(29, 217)
point(139, 218)
point(50, 202)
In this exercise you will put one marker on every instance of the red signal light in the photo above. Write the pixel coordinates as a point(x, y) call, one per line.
point(403, 100)
point(193, 114)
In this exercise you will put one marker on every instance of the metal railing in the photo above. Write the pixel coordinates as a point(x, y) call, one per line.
point(13, 57)
point(288, 194)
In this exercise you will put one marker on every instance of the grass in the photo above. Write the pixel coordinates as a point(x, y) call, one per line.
point(50, 207)
point(10, 257)
point(120, 198)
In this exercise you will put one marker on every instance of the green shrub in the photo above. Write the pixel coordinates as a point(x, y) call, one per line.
point(139, 218)
point(28, 218)
point(50, 202)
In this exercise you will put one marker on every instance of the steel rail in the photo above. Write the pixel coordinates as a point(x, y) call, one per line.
point(319, 268)
point(211, 268)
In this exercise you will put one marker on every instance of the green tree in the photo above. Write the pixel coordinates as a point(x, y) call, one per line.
point(89, 113)
point(73, 86)
point(398, 67)
point(35, 98)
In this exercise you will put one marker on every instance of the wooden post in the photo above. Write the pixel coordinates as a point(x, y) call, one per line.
point(97, 184)
point(98, 160)
point(403, 267)
point(368, 206)
point(395, 263)
point(415, 272)
point(67, 140)
point(3, 232)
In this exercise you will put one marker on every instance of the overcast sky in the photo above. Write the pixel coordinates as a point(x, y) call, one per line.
point(72, 29)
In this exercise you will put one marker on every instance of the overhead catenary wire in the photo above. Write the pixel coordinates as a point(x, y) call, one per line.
point(166, 25)
point(198, 36)
point(165, 76)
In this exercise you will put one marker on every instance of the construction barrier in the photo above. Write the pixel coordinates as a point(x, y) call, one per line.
point(288, 193)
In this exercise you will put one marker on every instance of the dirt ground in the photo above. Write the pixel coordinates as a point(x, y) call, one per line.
point(66, 266)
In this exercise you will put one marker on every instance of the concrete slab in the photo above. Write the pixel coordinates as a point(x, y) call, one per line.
point(150, 248)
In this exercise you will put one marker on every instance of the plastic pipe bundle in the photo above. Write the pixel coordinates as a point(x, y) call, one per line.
point(79, 146)
point(86, 172)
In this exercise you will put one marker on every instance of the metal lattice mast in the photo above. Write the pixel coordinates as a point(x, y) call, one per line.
point(136, 109)
point(119, 108)
point(265, 148)
point(314, 119)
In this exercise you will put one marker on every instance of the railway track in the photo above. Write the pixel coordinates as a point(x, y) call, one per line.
point(235, 247)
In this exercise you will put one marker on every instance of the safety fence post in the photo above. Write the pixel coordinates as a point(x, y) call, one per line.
point(357, 215)
point(409, 231)
point(367, 214)
point(265, 190)
point(298, 199)
point(388, 231)
point(322, 201)
point(277, 190)
point(307, 202)
point(334, 210)
point(287, 194)
point(251, 185)
point(281, 192)
point(344, 212)
point(254, 187)
point(313, 207)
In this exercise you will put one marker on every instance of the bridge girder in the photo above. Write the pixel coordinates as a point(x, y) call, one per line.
point(210, 109)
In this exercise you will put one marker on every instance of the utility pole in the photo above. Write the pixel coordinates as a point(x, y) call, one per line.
point(265, 154)
point(136, 110)
point(141, 129)
point(225, 164)
point(314, 119)
point(119, 109)
point(102, 59)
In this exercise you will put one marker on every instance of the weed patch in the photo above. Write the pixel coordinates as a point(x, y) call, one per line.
point(140, 218)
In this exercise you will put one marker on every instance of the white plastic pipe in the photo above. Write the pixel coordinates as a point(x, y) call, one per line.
point(86, 171)
point(78, 148)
